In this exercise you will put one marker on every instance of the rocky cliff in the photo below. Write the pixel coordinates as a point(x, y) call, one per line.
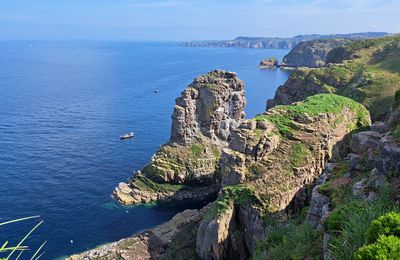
point(278, 43)
point(202, 121)
point(366, 71)
point(311, 54)
point(265, 171)
point(300, 181)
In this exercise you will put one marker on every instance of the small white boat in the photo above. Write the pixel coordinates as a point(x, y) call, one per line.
point(127, 136)
point(156, 91)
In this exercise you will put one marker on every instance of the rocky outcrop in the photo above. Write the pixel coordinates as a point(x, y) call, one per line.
point(175, 239)
point(185, 168)
point(270, 161)
point(212, 105)
point(311, 53)
point(268, 63)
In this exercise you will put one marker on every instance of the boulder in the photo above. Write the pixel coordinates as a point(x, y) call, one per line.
point(362, 141)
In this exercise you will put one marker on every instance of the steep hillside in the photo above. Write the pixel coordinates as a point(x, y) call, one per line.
point(311, 54)
point(367, 71)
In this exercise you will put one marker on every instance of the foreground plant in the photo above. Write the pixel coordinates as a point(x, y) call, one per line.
point(17, 250)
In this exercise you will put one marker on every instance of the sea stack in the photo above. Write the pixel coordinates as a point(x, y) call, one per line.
point(268, 63)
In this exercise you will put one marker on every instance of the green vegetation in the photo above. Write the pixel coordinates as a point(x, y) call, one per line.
point(367, 71)
point(386, 225)
point(236, 195)
point(290, 241)
point(284, 124)
point(7, 251)
point(145, 183)
point(350, 222)
point(299, 155)
point(337, 220)
point(197, 149)
point(327, 103)
point(386, 248)
point(396, 131)
point(337, 188)
point(312, 106)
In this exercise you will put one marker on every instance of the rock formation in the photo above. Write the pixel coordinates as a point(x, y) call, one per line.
point(311, 53)
point(268, 63)
point(270, 162)
point(175, 239)
point(210, 106)
point(202, 121)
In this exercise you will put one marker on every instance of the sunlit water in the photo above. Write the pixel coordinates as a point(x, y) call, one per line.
point(63, 106)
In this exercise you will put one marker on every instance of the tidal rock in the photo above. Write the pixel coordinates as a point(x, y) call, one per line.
point(268, 63)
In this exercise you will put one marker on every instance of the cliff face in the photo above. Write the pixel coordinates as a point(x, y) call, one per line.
point(366, 71)
point(267, 166)
point(211, 106)
point(202, 121)
point(311, 54)
point(269, 163)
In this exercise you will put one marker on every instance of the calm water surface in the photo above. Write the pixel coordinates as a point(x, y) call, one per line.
point(63, 106)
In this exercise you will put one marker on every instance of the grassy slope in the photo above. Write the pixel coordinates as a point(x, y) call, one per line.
point(369, 74)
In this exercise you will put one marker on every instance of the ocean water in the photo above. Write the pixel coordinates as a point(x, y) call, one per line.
point(63, 106)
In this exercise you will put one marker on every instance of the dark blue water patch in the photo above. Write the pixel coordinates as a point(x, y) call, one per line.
point(63, 106)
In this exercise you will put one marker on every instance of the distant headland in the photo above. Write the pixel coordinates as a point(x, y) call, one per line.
point(277, 42)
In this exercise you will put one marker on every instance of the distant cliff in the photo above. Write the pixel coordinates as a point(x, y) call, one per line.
point(312, 53)
point(276, 42)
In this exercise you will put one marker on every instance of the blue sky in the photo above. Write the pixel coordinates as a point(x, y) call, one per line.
point(191, 19)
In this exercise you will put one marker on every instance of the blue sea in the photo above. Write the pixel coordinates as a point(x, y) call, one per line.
point(63, 106)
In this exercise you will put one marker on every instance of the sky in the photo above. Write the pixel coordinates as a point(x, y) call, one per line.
point(177, 20)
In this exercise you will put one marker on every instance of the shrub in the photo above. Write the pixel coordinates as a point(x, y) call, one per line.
point(388, 224)
point(387, 247)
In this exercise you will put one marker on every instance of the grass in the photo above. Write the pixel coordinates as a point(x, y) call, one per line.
point(349, 223)
point(234, 195)
point(197, 149)
point(290, 241)
point(299, 155)
point(369, 72)
point(144, 183)
point(312, 106)
point(15, 252)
